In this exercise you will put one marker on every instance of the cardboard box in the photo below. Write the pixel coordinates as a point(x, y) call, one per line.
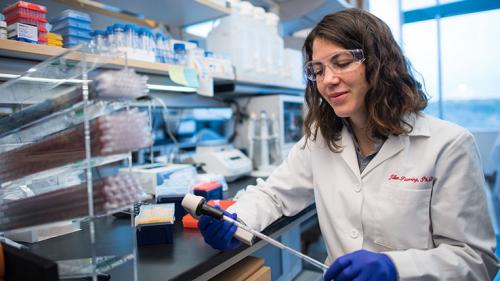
point(243, 270)
point(263, 274)
point(23, 31)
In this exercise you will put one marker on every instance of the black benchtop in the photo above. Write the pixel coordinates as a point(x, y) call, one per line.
point(186, 259)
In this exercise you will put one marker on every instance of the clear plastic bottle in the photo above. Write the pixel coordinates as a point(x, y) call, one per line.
point(130, 36)
point(143, 39)
point(274, 46)
point(100, 40)
point(92, 43)
point(110, 38)
point(194, 54)
point(152, 42)
point(180, 53)
point(160, 47)
point(119, 35)
point(258, 48)
point(198, 51)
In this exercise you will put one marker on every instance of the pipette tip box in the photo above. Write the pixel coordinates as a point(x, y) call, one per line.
point(154, 224)
point(210, 190)
point(155, 234)
point(175, 199)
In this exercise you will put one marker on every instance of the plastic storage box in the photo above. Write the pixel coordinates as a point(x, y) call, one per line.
point(25, 10)
point(70, 23)
point(23, 32)
point(210, 190)
point(3, 30)
point(175, 199)
point(27, 20)
point(74, 32)
point(42, 40)
point(74, 26)
point(72, 41)
point(72, 14)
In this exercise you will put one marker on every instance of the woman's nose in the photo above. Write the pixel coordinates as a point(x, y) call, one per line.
point(330, 77)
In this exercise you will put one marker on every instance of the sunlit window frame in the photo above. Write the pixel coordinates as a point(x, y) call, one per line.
point(439, 11)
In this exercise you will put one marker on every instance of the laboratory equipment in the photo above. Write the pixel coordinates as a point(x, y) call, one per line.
point(188, 221)
point(114, 134)
point(209, 190)
point(264, 144)
point(110, 193)
point(180, 55)
point(235, 37)
point(161, 47)
point(26, 22)
point(223, 159)
point(74, 26)
point(154, 224)
point(288, 111)
point(197, 206)
point(164, 180)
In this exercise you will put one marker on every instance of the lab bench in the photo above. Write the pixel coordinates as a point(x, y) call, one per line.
point(188, 258)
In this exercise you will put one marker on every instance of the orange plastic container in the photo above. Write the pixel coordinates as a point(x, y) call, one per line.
point(25, 10)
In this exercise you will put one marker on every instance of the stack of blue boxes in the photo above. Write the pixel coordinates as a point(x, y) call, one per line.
point(74, 26)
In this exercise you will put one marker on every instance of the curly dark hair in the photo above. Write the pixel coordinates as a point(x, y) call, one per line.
point(393, 91)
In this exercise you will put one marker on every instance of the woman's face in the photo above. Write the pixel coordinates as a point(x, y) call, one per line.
point(345, 92)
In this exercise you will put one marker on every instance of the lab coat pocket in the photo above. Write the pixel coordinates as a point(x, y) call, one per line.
point(402, 217)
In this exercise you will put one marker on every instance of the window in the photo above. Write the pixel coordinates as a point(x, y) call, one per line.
point(471, 69)
point(202, 29)
point(407, 5)
point(462, 38)
point(419, 43)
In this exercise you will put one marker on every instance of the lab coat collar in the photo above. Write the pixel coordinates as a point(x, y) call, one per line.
point(348, 152)
point(419, 123)
point(391, 146)
point(394, 144)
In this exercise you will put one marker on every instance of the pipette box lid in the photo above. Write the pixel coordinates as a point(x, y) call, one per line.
point(210, 190)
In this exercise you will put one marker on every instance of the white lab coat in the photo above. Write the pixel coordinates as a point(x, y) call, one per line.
point(420, 200)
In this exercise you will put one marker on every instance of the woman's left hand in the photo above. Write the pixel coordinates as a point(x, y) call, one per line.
point(362, 265)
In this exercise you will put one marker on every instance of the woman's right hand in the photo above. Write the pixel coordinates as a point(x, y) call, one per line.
point(219, 233)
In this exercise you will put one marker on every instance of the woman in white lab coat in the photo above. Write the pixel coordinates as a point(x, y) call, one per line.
point(399, 194)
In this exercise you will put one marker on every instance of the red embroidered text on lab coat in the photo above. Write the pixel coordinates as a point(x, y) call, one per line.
point(411, 179)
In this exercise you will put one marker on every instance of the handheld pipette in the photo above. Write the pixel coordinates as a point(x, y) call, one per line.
point(197, 206)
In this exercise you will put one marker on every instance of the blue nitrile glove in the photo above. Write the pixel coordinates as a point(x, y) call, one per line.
point(362, 265)
point(219, 233)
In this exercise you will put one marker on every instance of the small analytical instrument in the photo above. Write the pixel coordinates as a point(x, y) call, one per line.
point(224, 160)
point(197, 206)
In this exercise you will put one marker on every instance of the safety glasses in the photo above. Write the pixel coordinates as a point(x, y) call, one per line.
point(338, 62)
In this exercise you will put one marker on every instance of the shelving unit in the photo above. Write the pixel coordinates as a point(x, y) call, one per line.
point(49, 155)
point(21, 50)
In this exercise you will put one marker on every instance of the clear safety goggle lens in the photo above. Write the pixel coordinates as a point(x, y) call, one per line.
point(338, 62)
